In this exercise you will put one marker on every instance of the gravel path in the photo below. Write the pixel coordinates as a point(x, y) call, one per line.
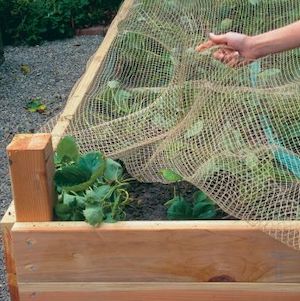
point(54, 69)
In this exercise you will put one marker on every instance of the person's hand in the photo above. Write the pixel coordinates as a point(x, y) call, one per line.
point(233, 49)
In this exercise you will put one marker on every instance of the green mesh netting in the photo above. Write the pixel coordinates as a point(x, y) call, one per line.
point(234, 133)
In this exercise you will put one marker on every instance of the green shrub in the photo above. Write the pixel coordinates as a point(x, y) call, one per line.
point(31, 21)
point(1, 50)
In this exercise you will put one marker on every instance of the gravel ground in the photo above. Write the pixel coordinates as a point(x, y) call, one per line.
point(54, 69)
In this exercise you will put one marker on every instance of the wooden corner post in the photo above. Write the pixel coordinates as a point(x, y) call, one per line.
point(31, 167)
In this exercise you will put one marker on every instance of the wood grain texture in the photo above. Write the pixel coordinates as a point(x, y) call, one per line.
point(6, 225)
point(87, 80)
point(9, 262)
point(159, 292)
point(31, 170)
point(151, 251)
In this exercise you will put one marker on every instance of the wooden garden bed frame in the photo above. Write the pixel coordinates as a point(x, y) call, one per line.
point(129, 261)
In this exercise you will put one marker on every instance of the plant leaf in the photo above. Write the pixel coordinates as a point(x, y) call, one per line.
point(251, 160)
point(35, 105)
point(180, 209)
point(110, 219)
point(69, 200)
point(113, 84)
point(70, 176)
point(63, 212)
point(254, 2)
point(98, 194)
point(93, 215)
point(77, 216)
point(121, 98)
point(203, 208)
point(80, 201)
point(113, 170)
point(200, 196)
point(82, 174)
point(67, 151)
point(204, 211)
point(93, 161)
point(170, 175)
point(122, 95)
point(226, 24)
point(196, 129)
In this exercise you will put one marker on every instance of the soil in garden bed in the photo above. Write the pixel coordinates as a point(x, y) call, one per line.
point(149, 199)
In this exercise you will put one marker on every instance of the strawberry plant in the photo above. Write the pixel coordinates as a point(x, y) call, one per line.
point(90, 186)
point(179, 208)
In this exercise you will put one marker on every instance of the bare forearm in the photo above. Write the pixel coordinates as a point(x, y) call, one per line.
point(275, 41)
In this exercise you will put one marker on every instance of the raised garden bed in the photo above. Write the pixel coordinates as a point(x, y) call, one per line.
point(133, 260)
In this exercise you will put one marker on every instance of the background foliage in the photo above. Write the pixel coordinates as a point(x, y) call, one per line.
point(31, 21)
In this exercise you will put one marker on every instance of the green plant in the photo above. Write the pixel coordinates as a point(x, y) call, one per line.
point(32, 21)
point(36, 105)
point(90, 187)
point(1, 49)
point(179, 208)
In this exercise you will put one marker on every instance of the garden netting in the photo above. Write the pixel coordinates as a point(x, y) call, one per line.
point(233, 132)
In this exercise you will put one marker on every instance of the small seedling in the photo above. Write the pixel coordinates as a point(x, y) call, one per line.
point(179, 208)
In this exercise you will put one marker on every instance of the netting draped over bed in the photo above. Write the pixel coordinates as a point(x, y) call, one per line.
point(234, 133)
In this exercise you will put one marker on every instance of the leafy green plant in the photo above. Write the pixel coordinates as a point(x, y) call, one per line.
point(66, 152)
point(1, 48)
point(32, 21)
point(82, 174)
point(36, 105)
point(179, 208)
point(90, 187)
point(120, 97)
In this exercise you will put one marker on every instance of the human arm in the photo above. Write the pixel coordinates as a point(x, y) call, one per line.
point(237, 49)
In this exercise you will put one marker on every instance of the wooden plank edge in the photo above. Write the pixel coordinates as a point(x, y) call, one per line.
point(210, 225)
point(6, 225)
point(80, 291)
point(146, 286)
point(9, 217)
point(87, 80)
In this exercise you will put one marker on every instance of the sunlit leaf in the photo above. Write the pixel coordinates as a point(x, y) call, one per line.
point(170, 176)
point(226, 24)
point(67, 151)
point(82, 174)
point(113, 170)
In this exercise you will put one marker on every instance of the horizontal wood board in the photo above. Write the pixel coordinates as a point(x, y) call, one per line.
point(159, 291)
point(151, 251)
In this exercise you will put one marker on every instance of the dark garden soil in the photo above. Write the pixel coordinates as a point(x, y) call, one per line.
point(148, 200)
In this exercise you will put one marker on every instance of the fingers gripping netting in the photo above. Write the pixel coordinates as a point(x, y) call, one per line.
point(234, 133)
